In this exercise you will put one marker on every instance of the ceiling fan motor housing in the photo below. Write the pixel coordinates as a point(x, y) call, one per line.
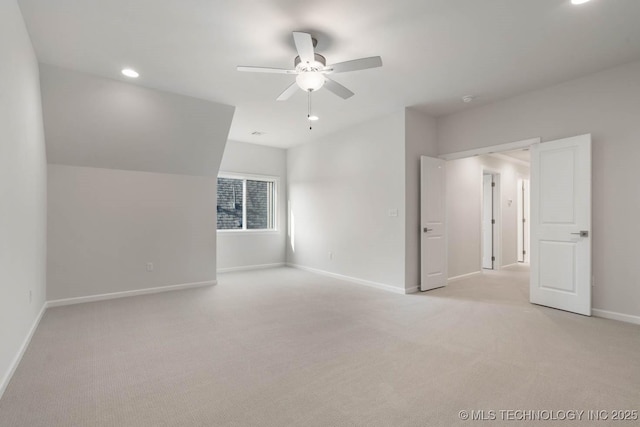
point(311, 71)
point(317, 65)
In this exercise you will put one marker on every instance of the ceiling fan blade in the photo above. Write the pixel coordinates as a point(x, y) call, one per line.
point(265, 70)
point(304, 46)
point(288, 92)
point(337, 88)
point(356, 64)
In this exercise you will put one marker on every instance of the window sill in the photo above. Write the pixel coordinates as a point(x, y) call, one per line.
point(248, 231)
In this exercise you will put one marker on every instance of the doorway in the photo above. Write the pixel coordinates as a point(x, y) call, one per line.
point(560, 221)
point(481, 194)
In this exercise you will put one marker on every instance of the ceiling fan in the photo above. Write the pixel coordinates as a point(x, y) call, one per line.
point(311, 69)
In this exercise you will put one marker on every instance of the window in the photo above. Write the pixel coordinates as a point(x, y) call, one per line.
point(246, 202)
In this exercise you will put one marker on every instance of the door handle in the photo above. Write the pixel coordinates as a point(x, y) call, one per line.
point(426, 230)
point(582, 233)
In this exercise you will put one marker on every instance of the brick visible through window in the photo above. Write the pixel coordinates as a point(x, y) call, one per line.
point(230, 203)
point(246, 203)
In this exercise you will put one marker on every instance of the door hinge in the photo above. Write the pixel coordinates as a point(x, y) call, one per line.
point(524, 220)
point(493, 184)
point(493, 258)
point(493, 221)
point(524, 252)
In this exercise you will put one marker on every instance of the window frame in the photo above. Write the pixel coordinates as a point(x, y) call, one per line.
point(251, 177)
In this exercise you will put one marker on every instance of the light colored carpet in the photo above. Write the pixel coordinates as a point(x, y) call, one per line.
point(284, 347)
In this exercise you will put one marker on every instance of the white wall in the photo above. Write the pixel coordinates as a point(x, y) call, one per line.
point(243, 249)
point(607, 105)
point(464, 214)
point(341, 189)
point(420, 140)
point(106, 224)
point(131, 180)
point(23, 189)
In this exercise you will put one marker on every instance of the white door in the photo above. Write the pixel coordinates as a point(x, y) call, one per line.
point(561, 224)
point(487, 221)
point(433, 242)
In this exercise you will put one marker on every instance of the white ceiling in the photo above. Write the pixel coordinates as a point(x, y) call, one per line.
point(434, 51)
point(521, 155)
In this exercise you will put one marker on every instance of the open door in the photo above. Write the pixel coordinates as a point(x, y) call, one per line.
point(433, 242)
point(561, 224)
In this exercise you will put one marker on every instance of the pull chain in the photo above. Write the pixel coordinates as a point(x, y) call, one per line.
point(309, 109)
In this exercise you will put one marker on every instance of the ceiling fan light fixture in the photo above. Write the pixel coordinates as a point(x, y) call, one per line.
point(310, 81)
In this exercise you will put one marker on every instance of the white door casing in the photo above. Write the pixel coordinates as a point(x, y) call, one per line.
point(561, 224)
point(487, 222)
point(523, 221)
point(527, 221)
point(433, 228)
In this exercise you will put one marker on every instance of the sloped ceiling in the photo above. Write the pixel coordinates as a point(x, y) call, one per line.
point(434, 51)
point(97, 122)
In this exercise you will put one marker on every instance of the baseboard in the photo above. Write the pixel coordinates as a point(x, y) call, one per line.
point(369, 283)
point(16, 360)
point(629, 318)
point(250, 267)
point(464, 276)
point(92, 298)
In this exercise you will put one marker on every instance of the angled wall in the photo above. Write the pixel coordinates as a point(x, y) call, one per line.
point(132, 181)
point(96, 122)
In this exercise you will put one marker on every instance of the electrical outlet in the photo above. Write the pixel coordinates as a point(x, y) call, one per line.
point(149, 266)
point(330, 255)
point(393, 212)
point(30, 296)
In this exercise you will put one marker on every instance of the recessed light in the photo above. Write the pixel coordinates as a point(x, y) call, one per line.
point(579, 1)
point(313, 118)
point(130, 73)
